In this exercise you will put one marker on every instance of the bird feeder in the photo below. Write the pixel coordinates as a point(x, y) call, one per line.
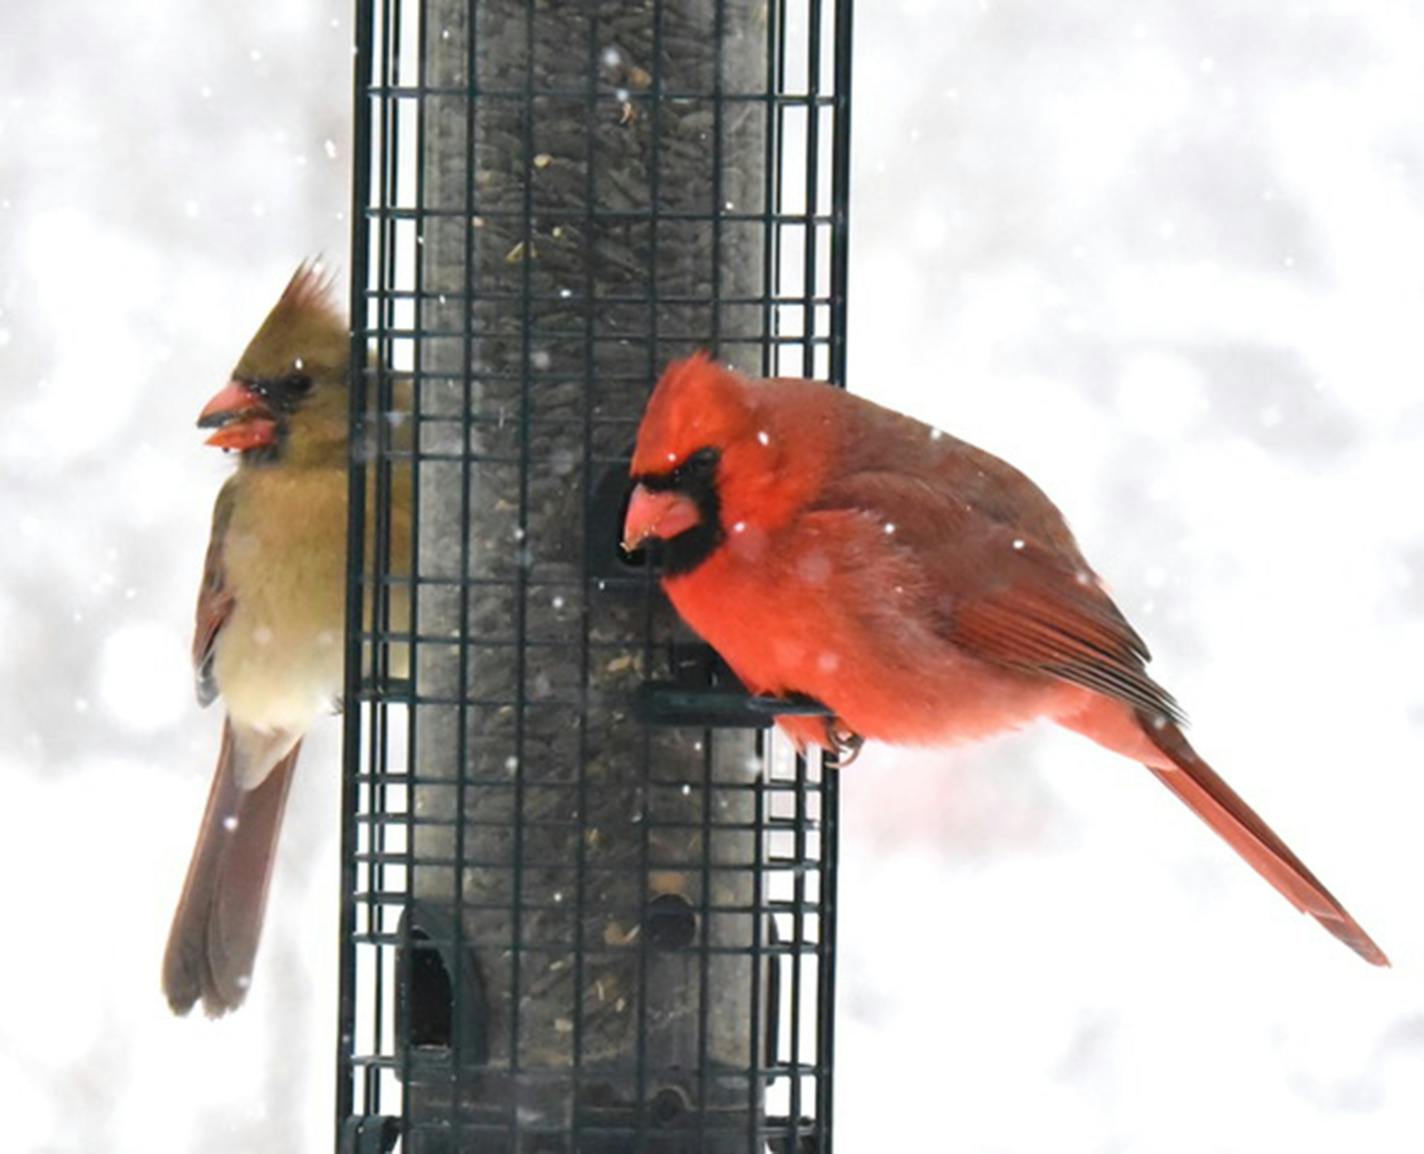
point(589, 898)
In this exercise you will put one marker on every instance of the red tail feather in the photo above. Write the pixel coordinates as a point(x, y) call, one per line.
point(1217, 804)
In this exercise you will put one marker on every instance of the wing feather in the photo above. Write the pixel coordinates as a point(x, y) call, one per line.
point(215, 599)
point(1007, 583)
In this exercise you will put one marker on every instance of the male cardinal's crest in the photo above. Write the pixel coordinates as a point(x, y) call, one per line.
point(921, 588)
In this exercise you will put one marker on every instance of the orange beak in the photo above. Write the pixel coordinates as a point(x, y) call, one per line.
point(242, 420)
point(657, 513)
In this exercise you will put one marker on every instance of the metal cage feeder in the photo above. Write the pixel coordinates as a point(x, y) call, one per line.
point(589, 899)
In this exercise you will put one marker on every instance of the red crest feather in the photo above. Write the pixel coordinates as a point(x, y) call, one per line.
point(698, 403)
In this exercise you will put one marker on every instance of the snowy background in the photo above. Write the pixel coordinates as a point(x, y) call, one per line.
point(1168, 257)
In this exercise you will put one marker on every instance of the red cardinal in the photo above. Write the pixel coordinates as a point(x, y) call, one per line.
point(270, 622)
point(923, 590)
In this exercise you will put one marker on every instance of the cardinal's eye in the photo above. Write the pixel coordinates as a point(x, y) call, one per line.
point(701, 466)
point(296, 384)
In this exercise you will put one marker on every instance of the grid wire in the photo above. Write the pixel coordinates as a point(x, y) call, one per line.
point(568, 925)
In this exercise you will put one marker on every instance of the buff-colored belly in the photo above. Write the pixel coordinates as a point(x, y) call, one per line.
point(279, 657)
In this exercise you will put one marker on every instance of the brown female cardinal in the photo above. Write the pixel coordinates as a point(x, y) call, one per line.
point(270, 623)
point(921, 589)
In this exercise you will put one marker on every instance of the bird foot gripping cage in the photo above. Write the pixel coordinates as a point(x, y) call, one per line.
point(589, 901)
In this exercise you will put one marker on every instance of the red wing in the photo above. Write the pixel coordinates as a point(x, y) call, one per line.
point(215, 602)
point(1005, 593)
point(1038, 627)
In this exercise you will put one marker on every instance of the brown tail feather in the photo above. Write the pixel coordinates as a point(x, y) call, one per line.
point(1217, 804)
point(213, 942)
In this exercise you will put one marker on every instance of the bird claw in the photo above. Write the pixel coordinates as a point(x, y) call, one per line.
point(843, 743)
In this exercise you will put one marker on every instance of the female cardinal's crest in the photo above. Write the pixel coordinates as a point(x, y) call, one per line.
point(310, 288)
point(305, 325)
